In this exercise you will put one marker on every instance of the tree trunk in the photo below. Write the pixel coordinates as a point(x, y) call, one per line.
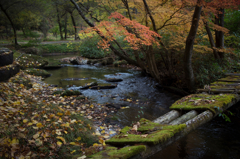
point(74, 25)
point(189, 76)
point(129, 60)
point(216, 55)
point(59, 23)
point(12, 24)
point(219, 36)
point(65, 27)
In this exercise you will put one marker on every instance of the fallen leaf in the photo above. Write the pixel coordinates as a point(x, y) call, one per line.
point(61, 138)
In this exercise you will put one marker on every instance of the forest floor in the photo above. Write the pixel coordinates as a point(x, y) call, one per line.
point(37, 122)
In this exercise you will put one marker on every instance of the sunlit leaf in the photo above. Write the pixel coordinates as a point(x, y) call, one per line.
point(73, 151)
point(61, 138)
point(59, 143)
point(39, 125)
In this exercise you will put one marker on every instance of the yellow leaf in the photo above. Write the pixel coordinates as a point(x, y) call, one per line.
point(68, 113)
point(39, 125)
point(102, 132)
point(95, 144)
point(65, 132)
point(25, 120)
point(78, 139)
point(73, 151)
point(29, 124)
point(59, 114)
point(59, 143)
point(72, 143)
point(61, 138)
point(14, 142)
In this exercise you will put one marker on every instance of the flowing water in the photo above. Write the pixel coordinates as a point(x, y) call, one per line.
point(216, 139)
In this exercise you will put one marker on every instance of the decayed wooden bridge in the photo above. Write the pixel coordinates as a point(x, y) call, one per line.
point(148, 137)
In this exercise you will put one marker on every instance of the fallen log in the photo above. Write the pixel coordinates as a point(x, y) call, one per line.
point(167, 118)
point(184, 118)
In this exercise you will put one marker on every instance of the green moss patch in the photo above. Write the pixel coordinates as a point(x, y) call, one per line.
point(123, 153)
point(148, 133)
point(31, 61)
point(230, 79)
point(203, 102)
point(37, 72)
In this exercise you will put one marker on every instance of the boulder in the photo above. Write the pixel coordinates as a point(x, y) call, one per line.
point(6, 56)
point(31, 50)
point(88, 85)
point(8, 71)
point(79, 61)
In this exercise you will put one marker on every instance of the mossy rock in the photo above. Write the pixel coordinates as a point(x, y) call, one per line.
point(115, 153)
point(203, 102)
point(148, 133)
point(37, 72)
point(8, 71)
point(31, 61)
point(6, 57)
point(118, 63)
point(70, 93)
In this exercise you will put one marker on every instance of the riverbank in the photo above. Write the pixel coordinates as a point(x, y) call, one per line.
point(35, 122)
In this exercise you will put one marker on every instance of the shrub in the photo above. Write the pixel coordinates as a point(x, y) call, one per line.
point(89, 48)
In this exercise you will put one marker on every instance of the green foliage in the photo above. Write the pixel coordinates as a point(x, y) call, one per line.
point(231, 21)
point(233, 40)
point(88, 48)
point(223, 115)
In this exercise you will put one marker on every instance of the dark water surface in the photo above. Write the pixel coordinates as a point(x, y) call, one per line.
point(216, 139)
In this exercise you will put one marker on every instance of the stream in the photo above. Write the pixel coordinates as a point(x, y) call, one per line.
point(216, 139)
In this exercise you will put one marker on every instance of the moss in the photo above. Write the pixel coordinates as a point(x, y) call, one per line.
point(37, 72)
point(123, 153)
point(203, 102)
point(148, 133)
point(31, 61)
point(230, 79)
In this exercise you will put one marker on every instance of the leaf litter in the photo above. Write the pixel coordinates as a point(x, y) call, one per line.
point(35, 122)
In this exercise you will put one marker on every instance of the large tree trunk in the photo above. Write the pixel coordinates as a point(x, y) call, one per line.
point(189, 76)
point(129, 60)
point(12, 24)
point(59, 23)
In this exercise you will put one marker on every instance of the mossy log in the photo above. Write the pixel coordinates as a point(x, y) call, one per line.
point(6, 57)
point(167, 118)
point(8, 71)
point(184, 118)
